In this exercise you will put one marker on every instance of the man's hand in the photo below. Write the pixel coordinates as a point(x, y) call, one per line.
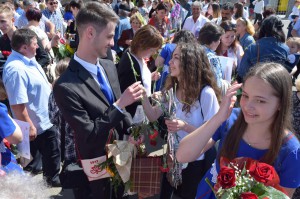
point(32, 133)
point(21, 113)
point(132, 94)
point(55, 40)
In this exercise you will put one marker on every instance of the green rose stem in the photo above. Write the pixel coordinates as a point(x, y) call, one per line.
point(132, 67)
point(209, 184)
point(133, 70)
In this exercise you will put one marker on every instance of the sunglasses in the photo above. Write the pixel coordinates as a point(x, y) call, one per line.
point(53, 3)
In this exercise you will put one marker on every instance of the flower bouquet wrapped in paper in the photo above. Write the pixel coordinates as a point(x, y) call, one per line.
point(246, 178)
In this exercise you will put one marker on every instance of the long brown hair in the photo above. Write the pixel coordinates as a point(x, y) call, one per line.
point(239, 10)
point(195, 73)
point(277, 76)
point(227, 26)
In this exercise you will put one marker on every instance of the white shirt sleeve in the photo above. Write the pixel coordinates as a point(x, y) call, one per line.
point(209, 103)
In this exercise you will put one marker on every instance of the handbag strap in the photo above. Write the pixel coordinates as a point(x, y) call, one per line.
point(111, 131)
point(200, 101)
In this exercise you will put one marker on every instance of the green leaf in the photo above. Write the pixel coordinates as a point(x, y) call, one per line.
point(259, 189)
point(226, 195)
point(275, 194)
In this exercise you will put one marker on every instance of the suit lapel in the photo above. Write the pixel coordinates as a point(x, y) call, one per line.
point(88, 80)
point(111, 78)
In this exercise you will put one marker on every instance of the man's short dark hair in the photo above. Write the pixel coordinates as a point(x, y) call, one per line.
point(27, 3)
point(76, 4)
point(22, 37)
point(96, 14)
point(228, 6)
point(209, 33)
point(162, 6)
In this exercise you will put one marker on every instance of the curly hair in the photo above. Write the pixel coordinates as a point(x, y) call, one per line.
point(195, 73)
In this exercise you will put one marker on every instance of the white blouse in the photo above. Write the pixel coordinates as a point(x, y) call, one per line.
point(209, 106)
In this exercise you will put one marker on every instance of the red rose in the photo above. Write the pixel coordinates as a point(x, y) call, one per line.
point(153, 134)
point(226, 177)
point(62, 41)
point(264, 173)
point(6, 53)
point(248, 195)
point(164, 169)
point(153, 142)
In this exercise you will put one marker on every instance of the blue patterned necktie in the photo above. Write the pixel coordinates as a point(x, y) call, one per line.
point(105, 88)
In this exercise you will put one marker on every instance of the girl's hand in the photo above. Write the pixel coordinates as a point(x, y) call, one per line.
point(175, 125)
point(155, 75)
point(157, 95)
point(228, 101)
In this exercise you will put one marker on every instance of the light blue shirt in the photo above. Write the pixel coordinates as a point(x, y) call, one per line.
point(26, 83)
point(297, 27)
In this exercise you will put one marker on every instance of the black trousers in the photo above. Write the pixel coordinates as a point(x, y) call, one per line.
point(46, 144)
point(257, 17)
point(191, 177)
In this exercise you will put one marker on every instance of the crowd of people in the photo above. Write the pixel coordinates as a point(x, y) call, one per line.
point(234, 73)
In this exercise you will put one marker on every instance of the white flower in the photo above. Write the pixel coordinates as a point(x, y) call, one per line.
point(214, 173)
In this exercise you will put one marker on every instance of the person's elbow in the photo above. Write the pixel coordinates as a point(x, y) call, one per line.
point(181, 154)
point(179, 157)
point(16, 137)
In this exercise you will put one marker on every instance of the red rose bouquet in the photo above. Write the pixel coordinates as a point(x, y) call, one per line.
point(246, 178)
point(63, 50)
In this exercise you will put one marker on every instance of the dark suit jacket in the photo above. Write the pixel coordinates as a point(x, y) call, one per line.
point(126, 77)
point(85, 108)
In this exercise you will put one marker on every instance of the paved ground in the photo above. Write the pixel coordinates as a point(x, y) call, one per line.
point(58, 193)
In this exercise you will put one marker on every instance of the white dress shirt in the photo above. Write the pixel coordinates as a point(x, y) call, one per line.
point(195, 27)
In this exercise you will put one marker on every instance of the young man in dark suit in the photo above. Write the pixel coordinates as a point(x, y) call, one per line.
point(88, 93)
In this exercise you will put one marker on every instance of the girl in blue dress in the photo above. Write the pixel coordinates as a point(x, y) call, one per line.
point(12, 132)
point(261, 129)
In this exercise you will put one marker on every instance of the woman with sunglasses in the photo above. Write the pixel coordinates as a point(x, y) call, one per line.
point(244, 32)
